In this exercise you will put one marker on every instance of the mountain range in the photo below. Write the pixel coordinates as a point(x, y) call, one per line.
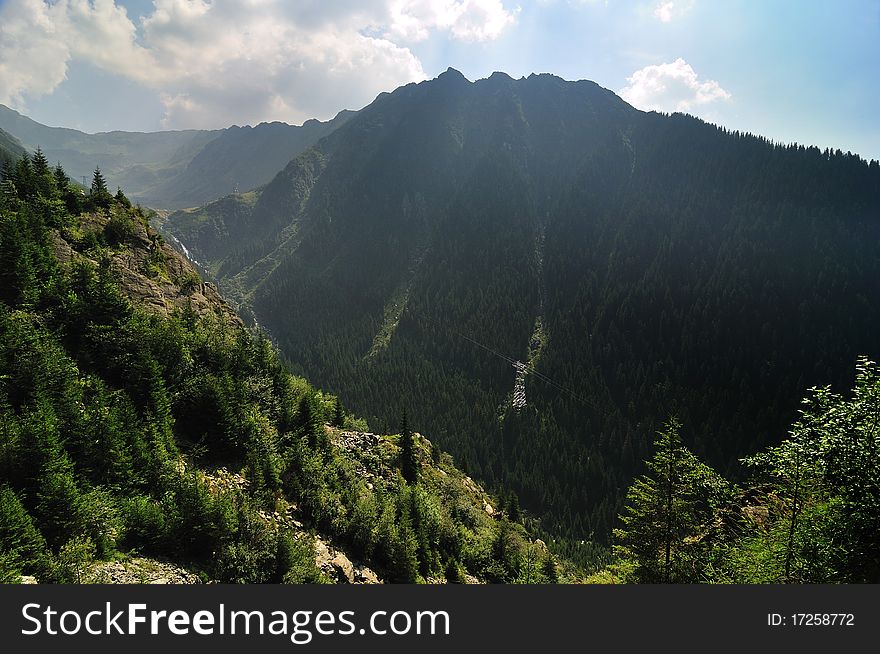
point(641, 265)
point(536, 273)
point(10, 148)
point(173, 169)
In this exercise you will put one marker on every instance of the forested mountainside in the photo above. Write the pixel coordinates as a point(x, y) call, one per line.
point(10, 149)
point(641, 264)
point(146, 434)
point(173, 169)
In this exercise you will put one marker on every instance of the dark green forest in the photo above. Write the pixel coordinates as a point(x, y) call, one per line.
point(117, 425)
point(643, 265)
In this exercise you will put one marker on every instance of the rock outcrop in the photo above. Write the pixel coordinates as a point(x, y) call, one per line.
point(153, 274)
point(140, 571)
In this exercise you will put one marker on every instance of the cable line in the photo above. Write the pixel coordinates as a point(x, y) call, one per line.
point(516, 363)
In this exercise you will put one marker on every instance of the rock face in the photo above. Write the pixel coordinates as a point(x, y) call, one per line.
point(333, 562)
point(153, 274)
point(140, 571)
point(339, 568)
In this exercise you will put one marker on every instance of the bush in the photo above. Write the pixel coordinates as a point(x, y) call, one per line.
point(119, 229)
point(144, 524)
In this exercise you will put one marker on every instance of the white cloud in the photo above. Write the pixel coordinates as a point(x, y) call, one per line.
point(33, 59)
point(467, 20)
point(665, 12)
point(671, 87)
point(214, 62)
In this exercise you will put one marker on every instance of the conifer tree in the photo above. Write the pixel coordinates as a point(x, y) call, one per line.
point(40, 163)
point(338, 414)
point(665, 512)
point(307, 420)
point(409, 464)
point(44, 179)
point(99, 185)
point(62, 179)
point(99, 196)
point(513, 510)
point(121, 197)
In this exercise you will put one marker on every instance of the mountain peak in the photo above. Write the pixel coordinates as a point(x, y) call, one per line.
point(499, 76)
point(452, 74)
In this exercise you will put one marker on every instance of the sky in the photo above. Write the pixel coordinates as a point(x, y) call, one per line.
point(798, 70)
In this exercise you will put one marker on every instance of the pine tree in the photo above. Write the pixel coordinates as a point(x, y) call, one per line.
point(307, 420)
point(44, 179)
point(23, 177)
point(121, 198)
point(99, 185)
point(338, 414)
point(549, 569)
point(409, 464)
point(514, 513)
point(18, 536)
point(62, 180)
point(665, 512)
point(40, 163)
point(99, 196)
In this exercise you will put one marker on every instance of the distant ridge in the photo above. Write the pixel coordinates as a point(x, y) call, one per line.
point(173, 169)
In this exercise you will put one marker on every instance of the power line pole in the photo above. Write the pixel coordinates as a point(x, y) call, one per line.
point(519, 386)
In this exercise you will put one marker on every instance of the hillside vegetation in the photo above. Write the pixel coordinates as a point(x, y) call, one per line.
point(142, 426)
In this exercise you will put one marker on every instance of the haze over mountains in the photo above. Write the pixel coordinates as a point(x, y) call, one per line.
point(171, 170)
point(10, 147)
point(643, 265)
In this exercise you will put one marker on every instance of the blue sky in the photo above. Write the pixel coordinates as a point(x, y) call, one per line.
point(804, 71)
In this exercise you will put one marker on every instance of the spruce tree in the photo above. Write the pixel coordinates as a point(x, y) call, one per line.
point(99, 196)
point(338, 414)
point(62, 179)
point(99, 185)
point(307, 420)
point(665, 513)
point(44, 179)
point(409, 464)
point(121, 198)
point(514, 513)
point(40, 163)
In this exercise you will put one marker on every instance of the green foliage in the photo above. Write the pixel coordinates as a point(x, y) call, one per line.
point(125, 432)
point(73, 560)
point(826, 478)
point(120, 228)
point(22, 546)
point(99, 196)
point(668, 513)
point(642, 261)
point(409, 462)
point(338, 414)
point(808, 515)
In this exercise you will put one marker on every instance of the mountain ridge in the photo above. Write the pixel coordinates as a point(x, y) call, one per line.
point(174, 168)
point(629, 237)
